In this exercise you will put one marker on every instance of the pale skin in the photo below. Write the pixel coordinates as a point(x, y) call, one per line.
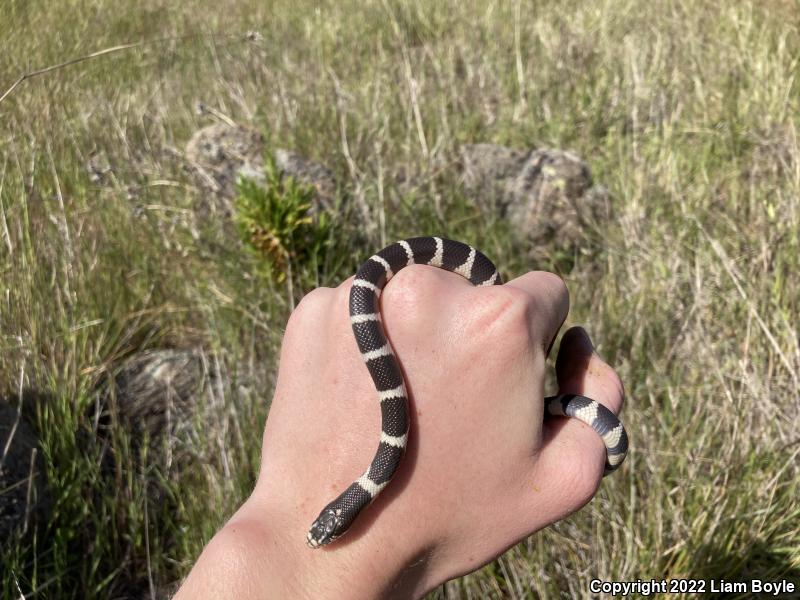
point(482, 471)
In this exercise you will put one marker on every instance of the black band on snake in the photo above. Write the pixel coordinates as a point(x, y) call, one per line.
point(372, 276)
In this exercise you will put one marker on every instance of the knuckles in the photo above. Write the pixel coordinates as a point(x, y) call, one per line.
point(312, 307)
point(497, 317)
point(411, 293)
point(500, 317)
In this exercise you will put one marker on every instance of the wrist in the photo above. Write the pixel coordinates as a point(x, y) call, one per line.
point(244, 560)
point(261, 553)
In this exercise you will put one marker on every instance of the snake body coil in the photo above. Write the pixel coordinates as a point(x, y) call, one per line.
point(372, 276)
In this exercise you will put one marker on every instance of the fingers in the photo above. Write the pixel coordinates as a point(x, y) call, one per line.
point(580, 370)
point(572, 451)
point(550, 299)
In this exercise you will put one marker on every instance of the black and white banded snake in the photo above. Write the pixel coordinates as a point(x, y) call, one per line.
point(365, 317)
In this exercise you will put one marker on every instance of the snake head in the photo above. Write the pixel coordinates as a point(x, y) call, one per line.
point(323, 530)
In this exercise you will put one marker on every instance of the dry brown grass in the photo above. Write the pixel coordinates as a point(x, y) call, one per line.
point(686, 111)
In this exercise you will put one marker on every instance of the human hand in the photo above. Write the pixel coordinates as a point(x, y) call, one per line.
point(482, 471)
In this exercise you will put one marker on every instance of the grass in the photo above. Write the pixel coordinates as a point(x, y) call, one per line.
point(685, 110)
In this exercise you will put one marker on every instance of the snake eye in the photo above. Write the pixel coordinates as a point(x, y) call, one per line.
point(331, 520)
point(330, 523)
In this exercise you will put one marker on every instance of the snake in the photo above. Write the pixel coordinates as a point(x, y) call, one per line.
point(365, 317)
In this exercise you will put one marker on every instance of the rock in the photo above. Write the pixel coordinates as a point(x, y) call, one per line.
point(165, 400)
point(220, 153)
point(23, 490)
point(158, 392)
point(546, 194)
point(549, 199)
point(488, 168)
point(308, 172)
point(169, 398)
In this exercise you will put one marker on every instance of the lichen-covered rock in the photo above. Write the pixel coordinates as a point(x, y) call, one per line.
point(221, 153)
point(487, 169)
point(550, 197)
point(546, 194)
point(23, 493)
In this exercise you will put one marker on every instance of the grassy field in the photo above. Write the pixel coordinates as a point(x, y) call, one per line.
point(687, 111)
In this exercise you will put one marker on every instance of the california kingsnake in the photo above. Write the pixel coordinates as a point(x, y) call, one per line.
point(372, 276)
